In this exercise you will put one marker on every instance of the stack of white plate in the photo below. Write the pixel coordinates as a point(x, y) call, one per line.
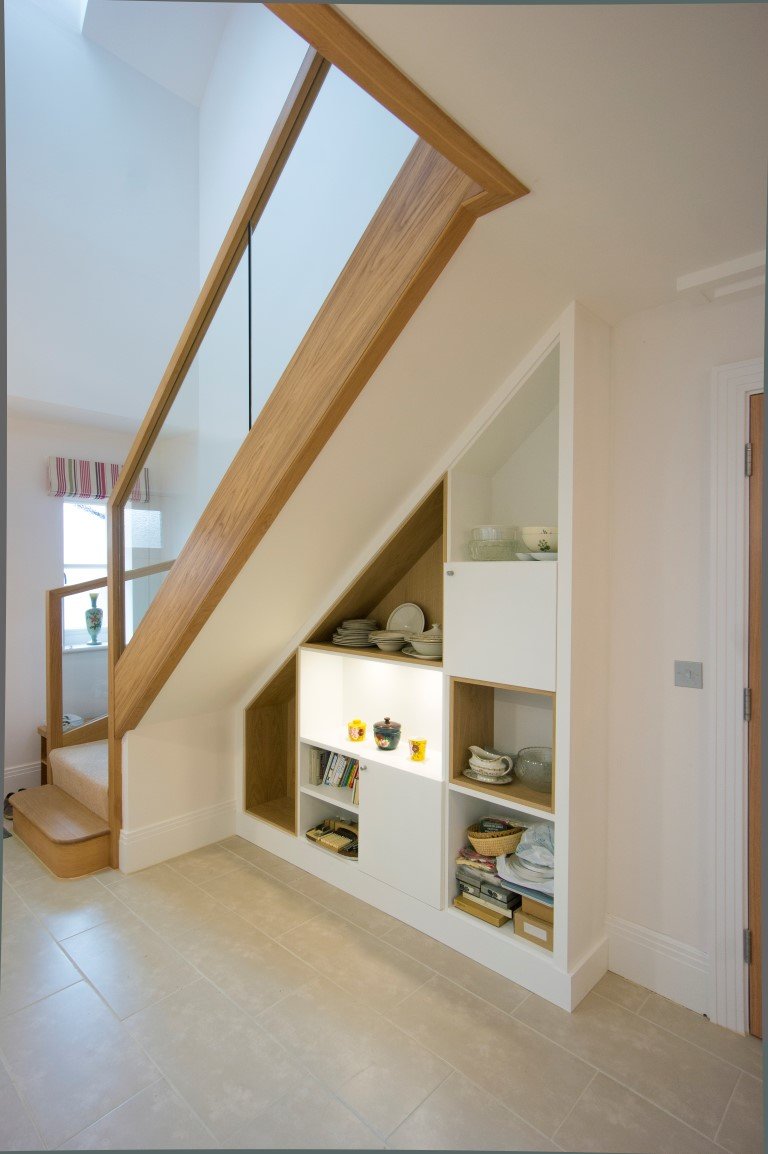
point(355, 634)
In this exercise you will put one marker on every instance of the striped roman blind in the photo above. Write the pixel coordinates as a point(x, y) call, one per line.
point(90, 480)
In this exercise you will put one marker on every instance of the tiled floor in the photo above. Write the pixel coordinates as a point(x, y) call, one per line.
point(227, 999)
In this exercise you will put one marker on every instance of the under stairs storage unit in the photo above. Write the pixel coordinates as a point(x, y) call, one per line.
point(524, 665)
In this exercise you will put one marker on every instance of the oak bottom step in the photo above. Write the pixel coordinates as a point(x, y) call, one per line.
point(67, 837)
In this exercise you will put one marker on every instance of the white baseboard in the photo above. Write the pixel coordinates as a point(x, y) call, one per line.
point(21, 776)
point(662, 964)
point(152, 844)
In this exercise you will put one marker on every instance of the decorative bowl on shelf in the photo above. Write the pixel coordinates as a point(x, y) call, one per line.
point(493, 533)
point(429, 643)
point(386, 733)
point(533, 766)
point(492, 550)
point(540, 538)
point(494, 835)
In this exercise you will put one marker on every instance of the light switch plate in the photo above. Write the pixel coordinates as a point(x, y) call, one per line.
point(689, 674)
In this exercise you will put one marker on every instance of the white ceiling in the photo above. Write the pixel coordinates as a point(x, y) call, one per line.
point(173, 43)
point(641, 131)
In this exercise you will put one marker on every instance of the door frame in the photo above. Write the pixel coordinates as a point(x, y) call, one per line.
point(732, 386)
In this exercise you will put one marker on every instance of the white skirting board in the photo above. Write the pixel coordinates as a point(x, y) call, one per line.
point(662, 964)
point(512, 958)
point(155, 843)
point(21, 777)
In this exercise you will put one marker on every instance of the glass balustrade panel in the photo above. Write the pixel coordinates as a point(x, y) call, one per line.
point(84, 668)
point(347, 156)
point(201, 434)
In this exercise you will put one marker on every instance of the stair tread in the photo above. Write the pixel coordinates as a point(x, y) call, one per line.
point(57, 815)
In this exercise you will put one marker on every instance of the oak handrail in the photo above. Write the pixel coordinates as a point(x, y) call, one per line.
point(102, 582)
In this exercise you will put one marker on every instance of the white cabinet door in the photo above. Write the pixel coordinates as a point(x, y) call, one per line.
point(500, 622)
point(401, 827)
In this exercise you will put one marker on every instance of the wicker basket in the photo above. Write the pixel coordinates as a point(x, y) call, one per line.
point(491, 843)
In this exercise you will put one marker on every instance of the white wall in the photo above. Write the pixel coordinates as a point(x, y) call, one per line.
point(659, 735)
point(35, 564)
point(102, 220)
point(178, 788)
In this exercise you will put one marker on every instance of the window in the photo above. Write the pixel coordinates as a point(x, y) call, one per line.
point(85, 559)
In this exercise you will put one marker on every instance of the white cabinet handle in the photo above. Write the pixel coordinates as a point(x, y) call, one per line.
point(362, 767)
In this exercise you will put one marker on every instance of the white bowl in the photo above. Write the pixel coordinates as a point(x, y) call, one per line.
point(390, 646)
point(428, 648)
point(540, 538)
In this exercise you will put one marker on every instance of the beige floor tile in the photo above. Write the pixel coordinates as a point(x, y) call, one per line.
point(531, 1076)
point(346, 906)
point(742, 1131)
point(215, 1056)
point(275, 866)
point(262, 900)
point(20, 864)
point(309, 1118)
point(166, 901)
point(13, 906)
point(154, 1119)
point(72, 1061)
point(17, 1130)
point(33, 966)
point(202, 865)
point(368, 968)
point(471, 975)
point(252, 969)
point(460, 1115)
point(69, 906)
point(129, 964)
point(744, 1052)
point(611, 1119)
point(375, 1068)
point(691, 1084)
point(623, 993)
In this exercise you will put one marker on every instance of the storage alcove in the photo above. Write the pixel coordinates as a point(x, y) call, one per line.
point(408, 567)
point(524, 641)
point(506, 718)
point(270, 750)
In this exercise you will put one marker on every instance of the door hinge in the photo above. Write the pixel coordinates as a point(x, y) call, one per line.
point(748, 459)
point(748, 947)
point(747, 704)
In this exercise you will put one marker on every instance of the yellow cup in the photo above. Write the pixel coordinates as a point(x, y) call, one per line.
point(356, 730)
point(418, 748)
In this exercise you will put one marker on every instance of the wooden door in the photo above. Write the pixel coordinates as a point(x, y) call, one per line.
point(754, 727)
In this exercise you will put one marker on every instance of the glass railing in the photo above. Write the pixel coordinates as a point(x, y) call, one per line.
point(337, 172)
point(204, 428)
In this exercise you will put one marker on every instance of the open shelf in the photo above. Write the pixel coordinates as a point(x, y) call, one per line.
point(509, 474)
point(270, 751)
point(501, 717)
point(408, 567)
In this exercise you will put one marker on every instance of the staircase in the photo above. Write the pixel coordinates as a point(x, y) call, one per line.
point(446, 183)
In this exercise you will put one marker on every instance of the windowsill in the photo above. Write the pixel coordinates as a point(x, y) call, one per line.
point(85, 648)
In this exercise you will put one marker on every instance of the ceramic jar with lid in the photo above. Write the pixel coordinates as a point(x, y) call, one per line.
point(387, 733)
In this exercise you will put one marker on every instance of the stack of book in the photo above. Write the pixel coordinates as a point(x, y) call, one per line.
point(481, 895)
point(327, 768)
